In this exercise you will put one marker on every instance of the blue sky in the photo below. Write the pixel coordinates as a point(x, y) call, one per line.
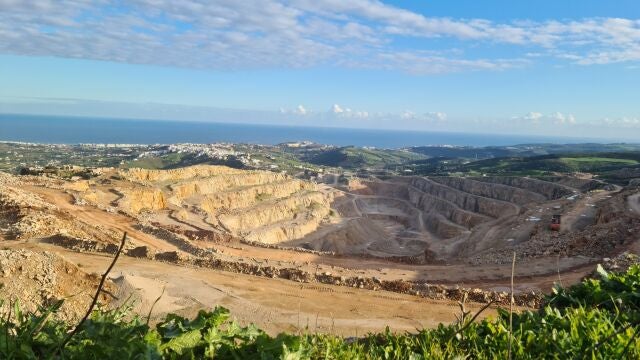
point(567, 68)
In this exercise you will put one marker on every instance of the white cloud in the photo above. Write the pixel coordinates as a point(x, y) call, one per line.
point(623, 127)
point(300, 110)
point(433, 117)
point(623, 122)
point(407, 115)
point(296, 33)
point(560, 118)
point(339, 111)
point(438, 116)
point(537, 118)
point(533, 116)
point(342, 112)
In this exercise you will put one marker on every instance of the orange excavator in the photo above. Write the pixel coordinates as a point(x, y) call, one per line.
point(555, 223)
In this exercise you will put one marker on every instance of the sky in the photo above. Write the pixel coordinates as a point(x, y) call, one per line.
point(544, 67)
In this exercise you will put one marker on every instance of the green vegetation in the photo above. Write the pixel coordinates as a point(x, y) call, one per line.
point(156, 162)
point(310, 160)
point(263, 196)
point(15, 156)
point(523, 150)
point(355, 158)
point(591, 164)
point(599, 163)
point(596, 319)
point(178, 160)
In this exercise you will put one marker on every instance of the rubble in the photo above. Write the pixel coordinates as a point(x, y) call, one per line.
point(40, 279)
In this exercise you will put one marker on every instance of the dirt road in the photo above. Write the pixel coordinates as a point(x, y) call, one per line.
point(92, 215)
point(273, 304)
point(584, 209)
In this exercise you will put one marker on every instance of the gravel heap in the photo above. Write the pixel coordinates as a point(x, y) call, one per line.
point(40, 279)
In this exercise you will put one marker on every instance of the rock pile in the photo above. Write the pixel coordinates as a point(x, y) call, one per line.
point(621, 262)
point(41, 279)
point(81, 245)
point(614, 227)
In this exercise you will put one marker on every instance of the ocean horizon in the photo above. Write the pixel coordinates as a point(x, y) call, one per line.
point(90, 130)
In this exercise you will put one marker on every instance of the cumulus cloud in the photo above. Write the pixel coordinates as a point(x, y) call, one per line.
point(300, 110)
point(345, 112)
point(337, 111)
point(408, 115)
point(432, 117)
point(623, 122)
point(296, 33)
point(537, 118)
point(533, 116)
point(561, 118)
point(438, 116)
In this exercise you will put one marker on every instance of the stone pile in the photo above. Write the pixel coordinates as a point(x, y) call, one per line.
point(40, 279)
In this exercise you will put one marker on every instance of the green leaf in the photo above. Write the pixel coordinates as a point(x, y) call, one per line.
point(186, 341)
point(602, 272)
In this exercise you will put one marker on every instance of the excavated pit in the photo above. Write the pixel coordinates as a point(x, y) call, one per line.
point(412, 219)
point(446, 218)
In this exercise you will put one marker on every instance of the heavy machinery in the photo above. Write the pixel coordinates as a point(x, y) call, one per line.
point(555, 223)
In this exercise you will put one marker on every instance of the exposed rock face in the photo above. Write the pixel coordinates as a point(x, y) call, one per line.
point(494, 191)
point(550, 190)
point(464, 199)
point(450, 211)
point(144, 175)
point(275, 211)
point(577, 183)
point(139, 199)
point(25, 215)
point(223, 182)
point(437, 218)
point(251, 195)
point(259, 206)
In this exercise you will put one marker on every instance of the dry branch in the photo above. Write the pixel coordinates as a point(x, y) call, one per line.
point(95, 297)
point(513, 270)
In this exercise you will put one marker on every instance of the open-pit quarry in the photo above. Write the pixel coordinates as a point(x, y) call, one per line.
point(287, 253)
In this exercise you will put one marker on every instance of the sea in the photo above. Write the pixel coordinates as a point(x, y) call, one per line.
point(88, 130)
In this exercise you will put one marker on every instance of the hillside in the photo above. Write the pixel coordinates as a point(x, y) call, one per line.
point(353, 257)
point(521, 150)
point(358, 158)
point(597, 163)
point(598, 317)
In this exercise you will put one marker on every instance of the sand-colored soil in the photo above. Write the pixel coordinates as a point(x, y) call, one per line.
point(275, 305)
point(436, 231)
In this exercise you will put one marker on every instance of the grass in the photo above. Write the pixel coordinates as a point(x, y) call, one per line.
point(263, 196)
point(548, 164)
point(357, 158)
point(596, 319)
point(596, 163)
point(599, 160)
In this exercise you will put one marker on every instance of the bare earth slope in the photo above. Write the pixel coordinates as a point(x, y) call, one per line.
point(276, 248)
